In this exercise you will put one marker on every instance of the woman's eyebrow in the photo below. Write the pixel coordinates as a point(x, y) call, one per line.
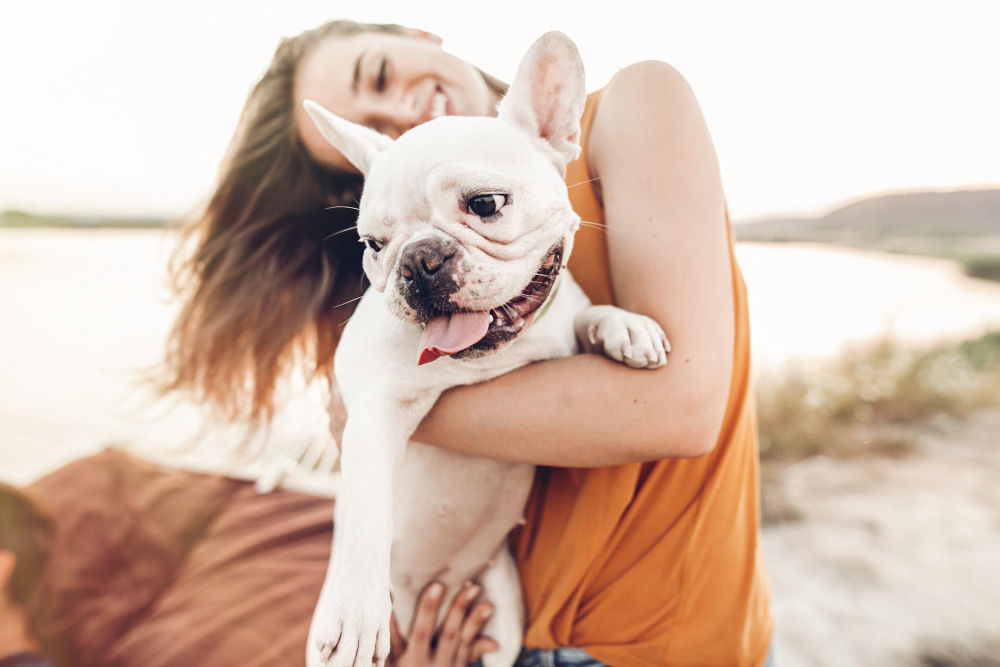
point(356, 78)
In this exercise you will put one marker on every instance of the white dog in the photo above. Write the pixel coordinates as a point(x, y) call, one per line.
point(468, 227)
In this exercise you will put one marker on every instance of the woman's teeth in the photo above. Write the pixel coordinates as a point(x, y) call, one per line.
point(439, 105)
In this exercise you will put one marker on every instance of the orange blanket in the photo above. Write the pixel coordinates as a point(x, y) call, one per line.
point(156, 567)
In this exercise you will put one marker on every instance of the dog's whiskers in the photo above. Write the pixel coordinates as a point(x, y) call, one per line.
point(341, 231)
point(351, 208)
point(600, 225)
point(591, 180)
point(357, 298)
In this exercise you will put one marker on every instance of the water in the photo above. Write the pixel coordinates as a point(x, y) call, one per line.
point(84, 313)
point(84, 310)
point(810, 301)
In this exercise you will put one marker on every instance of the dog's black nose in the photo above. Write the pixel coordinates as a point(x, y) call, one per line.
point(421, 260)
point(428, 276)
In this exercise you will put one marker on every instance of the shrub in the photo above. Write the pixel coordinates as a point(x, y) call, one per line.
point(856, 404)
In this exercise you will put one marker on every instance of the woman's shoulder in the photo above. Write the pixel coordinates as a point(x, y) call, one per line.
point(637, 77)
point(639, 98)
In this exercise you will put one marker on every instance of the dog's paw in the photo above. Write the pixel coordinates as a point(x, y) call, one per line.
point(352, 633)
point(633, 339)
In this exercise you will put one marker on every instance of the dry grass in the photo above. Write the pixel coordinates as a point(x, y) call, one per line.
point(859, 404)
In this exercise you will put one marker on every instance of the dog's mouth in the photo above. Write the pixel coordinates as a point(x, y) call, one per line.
point(478, 333)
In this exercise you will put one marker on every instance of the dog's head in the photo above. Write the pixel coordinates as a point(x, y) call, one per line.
point(467, 220)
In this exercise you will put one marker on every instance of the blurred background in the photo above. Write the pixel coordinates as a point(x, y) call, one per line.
point(858, 142)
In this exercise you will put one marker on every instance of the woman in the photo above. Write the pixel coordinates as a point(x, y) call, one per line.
point(641, 543)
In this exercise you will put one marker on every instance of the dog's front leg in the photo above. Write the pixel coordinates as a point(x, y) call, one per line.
point(351, 623)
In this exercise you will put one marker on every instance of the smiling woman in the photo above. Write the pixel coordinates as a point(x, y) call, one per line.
point(396, 82)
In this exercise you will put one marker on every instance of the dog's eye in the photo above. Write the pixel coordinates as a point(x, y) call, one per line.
point(374, 244)
point(486, 205)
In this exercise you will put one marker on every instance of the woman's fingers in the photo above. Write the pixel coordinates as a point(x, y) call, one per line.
point(483, 645)
point(450, 636)
point(422, 628)
point(458, 644)
point(469, 648)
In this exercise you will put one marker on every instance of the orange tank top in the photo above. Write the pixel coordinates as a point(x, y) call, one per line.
point(656, 563)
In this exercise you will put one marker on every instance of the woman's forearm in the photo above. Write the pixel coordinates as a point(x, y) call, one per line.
point(581, 411)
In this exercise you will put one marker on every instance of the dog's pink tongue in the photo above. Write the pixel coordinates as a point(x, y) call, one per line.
point(448, 334)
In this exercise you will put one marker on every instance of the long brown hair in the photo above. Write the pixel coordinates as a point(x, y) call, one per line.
point(271, 268)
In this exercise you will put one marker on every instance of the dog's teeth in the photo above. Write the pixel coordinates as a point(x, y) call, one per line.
point(439, 105)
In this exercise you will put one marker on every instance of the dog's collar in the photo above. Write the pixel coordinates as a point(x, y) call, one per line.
point(552, 297)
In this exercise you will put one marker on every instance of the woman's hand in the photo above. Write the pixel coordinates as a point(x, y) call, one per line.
point(458, 643)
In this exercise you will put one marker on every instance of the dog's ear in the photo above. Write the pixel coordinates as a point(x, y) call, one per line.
point(357, 143)
point(547, 96)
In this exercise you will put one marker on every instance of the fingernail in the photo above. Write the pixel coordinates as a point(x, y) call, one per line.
point(436, 591)
point(486, 613)
point(472, 592)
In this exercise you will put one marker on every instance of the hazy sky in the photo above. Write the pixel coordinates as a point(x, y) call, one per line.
point(126, 107)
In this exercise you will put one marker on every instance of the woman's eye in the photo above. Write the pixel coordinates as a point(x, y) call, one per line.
point(374, 244)
point(380, 78)
point(486, 205)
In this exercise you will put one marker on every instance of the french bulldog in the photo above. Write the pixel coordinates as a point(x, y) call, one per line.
point(468, 227)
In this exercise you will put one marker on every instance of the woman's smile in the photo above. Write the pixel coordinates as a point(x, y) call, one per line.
point(391, 84)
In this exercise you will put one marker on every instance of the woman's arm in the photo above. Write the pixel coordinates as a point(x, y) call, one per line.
point(667, 244)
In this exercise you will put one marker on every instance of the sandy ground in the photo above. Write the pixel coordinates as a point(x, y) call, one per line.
point(892, 561)
point(889, 558)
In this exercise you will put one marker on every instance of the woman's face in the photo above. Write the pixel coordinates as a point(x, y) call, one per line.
point(387, 82)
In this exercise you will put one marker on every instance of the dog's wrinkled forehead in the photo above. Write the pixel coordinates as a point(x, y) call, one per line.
point(435, 166)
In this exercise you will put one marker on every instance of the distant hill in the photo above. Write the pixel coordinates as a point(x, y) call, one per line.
point(962, 225)
point(25, 219)
point(943, 215)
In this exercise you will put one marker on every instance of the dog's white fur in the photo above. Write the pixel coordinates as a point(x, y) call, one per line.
point(408, 513)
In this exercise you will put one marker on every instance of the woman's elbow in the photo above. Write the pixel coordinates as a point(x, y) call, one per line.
point(702, 435)
point(688, 429)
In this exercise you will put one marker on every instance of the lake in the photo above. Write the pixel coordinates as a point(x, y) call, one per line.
point(84, 311)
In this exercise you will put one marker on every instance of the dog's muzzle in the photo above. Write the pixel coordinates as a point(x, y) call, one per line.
point(471, 334)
